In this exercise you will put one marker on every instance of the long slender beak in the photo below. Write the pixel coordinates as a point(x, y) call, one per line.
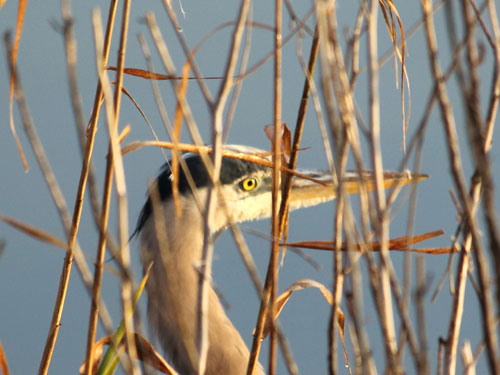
point(318, 187)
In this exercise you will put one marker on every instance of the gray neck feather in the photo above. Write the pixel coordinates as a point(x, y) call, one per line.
point(172, 294)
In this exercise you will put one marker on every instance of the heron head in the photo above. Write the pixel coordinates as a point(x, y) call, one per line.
point(245, 189)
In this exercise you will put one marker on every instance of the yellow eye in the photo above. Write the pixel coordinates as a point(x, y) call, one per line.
point(248, 184)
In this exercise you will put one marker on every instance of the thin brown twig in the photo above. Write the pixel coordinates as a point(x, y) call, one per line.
point(421, 288)
point(296, 19)
point(188, 53)
point(216, 159)
point(34, 232)
point(96, 285)
point(441, 347)
point(120, 186)
point(61, 206)
point(175, 146)
point(112, 105)
point(381, 223)
point(459, 297)
point(479, 19)
point(183, 104)
point(270, 54)
point(495, 89)
point(276, 186)
point(291, 166)
point(344, 130)
point(58, 198)
point(479, 145)
point(455, 166)
point(238, 84)
point(4, 367)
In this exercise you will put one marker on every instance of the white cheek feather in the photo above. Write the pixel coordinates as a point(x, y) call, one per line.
point(259, 206)
point(310, 202)
point(253, 207)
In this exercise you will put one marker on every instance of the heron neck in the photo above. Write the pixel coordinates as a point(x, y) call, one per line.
point(173, 294)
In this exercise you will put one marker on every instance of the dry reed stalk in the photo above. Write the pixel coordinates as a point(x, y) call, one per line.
point(33, 232)
point(457, 174)
point(283, 212)
point(58, 198)
point(236, 232)
point(238, 85)
point(479, 145)
point(169, 67)
point(297, 135)
point(459, 297)
point(478, 131)
point(21, 11)
point(270, 54)
point(338, 90)
point(335, 81)
point(4, 367)
point(103, 219)
point(120, 186)
point(64, 216)
point(276, 187)
point(112, 105)
point(187, 52)
point(495, 90)
point(421, 288)
point(381, 224)
point(175, 146)
point(216, 159)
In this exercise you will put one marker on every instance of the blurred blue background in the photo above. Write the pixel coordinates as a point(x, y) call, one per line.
point(30, 270)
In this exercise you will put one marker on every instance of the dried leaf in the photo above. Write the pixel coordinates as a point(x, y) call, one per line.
point(147, 354)
point(389, 10)
point(327, 295)
point(4, 368)
point(21, 10)
point(34, 232)
point(98, 350)
point(283, 299)
point(396, 244)
point(144, 73)
point(341, 325)
point(286, 141)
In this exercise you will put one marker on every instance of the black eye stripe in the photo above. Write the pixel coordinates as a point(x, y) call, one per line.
point(232, 170)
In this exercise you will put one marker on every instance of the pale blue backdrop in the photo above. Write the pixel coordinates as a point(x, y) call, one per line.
point(29, 270)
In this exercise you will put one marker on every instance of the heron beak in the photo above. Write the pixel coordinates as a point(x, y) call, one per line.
point(317, 186)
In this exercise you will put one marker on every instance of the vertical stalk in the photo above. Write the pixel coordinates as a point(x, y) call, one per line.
point(66, 270)
point(96, 286)
point(115, 166)
point(459, 181)
point(216, 158)
point(115, 158)
point(381, 224)
point(275, 227)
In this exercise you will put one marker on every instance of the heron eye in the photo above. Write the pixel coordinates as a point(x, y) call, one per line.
point(248, 184)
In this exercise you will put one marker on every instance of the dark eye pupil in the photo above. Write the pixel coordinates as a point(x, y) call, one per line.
point(249, 184)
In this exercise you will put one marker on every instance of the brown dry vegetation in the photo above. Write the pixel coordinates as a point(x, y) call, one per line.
point(399, 307)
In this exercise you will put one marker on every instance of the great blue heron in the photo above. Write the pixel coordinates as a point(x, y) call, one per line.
point(172, 286)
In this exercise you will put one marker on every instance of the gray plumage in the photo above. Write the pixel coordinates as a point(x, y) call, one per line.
point(173, 244)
